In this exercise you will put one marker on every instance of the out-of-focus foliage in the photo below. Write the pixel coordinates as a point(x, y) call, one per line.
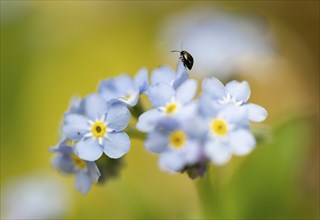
point(51, 51)
point(256, 187)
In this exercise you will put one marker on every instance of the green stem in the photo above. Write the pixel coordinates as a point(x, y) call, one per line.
point(209, 188)
point(137, 110)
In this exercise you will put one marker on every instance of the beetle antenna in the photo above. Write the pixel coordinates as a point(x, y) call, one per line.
point(175, 51)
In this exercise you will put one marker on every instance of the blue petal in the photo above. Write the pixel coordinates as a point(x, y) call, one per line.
point(239, 90)
point(118, 89)
point(125, 79)
point(76, 106)
point(171, 161)
point(62, 148)
point(199, 127)
point(148, 120)
point(255, 112)
point(141, 80)
point(208, 107)
point(88, 149)
point(118, 117)
point(192, 152)
point(242, 142)
point(108, 89)
point(124, 84)
point(161, 94)
point(176, 160)
point(162, 74)
point(217, 151)
point(213, 87)
point(95, 106)
point(180, 68)
point(169, 124)
point(93, 171)
point(233, 114)
point(75, 126)
point(83, 182)
point(156, 142)
point(189, 111)
point(116, 145)
point(63, 163)
point(186, 92)
point(182, 75)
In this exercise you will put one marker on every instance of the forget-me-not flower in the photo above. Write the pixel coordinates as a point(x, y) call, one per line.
point(165, 74)
point(67, 161)
point(167, 102)
point(236, 93)
point(226, 134)
point(176, 145)
point(99, 129)
point(124, 88)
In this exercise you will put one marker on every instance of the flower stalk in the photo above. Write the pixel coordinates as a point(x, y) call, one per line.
point(137, 110)
point(209, 188)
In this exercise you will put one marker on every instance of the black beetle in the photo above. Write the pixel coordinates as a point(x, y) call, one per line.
point(186, 58)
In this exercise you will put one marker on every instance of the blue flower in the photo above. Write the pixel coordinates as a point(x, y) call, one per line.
point(124, 88)
point(99, 129)
point(75, 105)
point(67, 161)
point(236, 93)
point(165, 74)
point(226, 134)
point(177, 147)
point(168, 102)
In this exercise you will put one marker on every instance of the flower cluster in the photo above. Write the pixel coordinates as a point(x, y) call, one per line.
point(93, 138)
point(187, 133)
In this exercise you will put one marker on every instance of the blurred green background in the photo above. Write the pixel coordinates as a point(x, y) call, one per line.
point(53, 50)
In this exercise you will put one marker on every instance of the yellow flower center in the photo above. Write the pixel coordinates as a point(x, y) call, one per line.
point(177, 139)
point(81, 164)
point(99, 129)
point(171, 108)
point(69, 142)
point(219, 127)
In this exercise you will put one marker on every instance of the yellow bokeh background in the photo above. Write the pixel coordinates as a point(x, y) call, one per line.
point(53, 50)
